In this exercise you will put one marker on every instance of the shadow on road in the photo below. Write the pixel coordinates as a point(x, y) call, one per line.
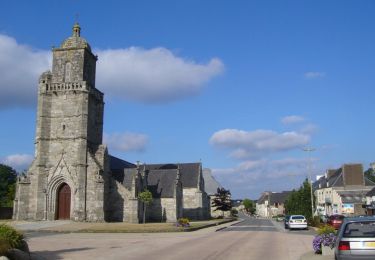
point(41, 255)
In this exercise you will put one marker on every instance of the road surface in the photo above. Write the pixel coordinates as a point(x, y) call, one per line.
point(250, 239)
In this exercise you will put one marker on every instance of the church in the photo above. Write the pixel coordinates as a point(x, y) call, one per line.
point(74, 177)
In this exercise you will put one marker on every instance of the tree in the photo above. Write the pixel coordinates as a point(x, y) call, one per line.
point(249, 205)
point(299, 202)
point(370, 174)
point(146, 198)
point(222, 200)
point(8, 178)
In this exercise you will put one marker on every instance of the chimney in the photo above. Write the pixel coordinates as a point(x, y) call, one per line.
point(353, 174)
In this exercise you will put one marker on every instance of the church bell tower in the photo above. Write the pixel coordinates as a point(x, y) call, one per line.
point(65, 180)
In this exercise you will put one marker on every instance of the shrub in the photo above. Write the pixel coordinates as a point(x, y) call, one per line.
point(326, 237)
point(4, 247)
point(326, 229)
point(315, 221)
point(11, 236)
point(234, 212)
point(183, 222)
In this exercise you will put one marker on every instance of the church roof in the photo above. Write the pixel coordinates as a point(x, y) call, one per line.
point(75, 41)
point(161, 183)
point(189, 172)
point(210, 184)
point(119, 170)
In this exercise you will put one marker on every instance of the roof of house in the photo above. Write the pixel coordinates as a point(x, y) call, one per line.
point(279, 197)
point(210, 183)
point(273, 197)
point(371, 193)
point(336, 179)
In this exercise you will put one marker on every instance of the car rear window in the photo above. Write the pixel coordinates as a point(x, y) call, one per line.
point(298, 217)
point(360, 229)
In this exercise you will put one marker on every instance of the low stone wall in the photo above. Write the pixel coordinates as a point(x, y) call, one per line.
point(6, 212)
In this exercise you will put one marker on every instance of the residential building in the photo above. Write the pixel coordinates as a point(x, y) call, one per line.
point(342, 191)
point(271, 203)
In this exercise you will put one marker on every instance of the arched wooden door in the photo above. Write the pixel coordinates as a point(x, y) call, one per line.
point(63, 202)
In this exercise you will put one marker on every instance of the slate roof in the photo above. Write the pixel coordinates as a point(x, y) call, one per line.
point(121, 170)
point(336, 180)
point(161, 183)
point(210, 184)
point(279, 197)
point(371, 193)
point(189, 172)
point(263, 198)
point(273, 197)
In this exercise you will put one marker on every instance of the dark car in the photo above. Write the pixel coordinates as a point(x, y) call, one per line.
point(335, 221)
point(286, 221)
point(356, 239)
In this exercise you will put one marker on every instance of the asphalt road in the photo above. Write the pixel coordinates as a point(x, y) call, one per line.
point(250, 239)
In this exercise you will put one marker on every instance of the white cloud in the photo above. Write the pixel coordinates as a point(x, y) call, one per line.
point(18, 161)
point(154, 75)
point(309, 129)
point(254, 143)
point(144, 75)
point(126, 142)
point(20, 67)
point(314, 74)
point(292, 119)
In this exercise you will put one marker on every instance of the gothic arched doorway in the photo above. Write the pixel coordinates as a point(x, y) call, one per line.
point(63, 202)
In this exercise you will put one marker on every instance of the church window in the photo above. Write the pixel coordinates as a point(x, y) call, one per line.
point(68, 72)
point(63, 127)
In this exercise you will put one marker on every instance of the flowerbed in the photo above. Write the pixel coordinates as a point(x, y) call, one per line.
point(326, 237)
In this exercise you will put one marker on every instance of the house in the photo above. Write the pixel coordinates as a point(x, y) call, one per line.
point(342, 191)
point(271, 203)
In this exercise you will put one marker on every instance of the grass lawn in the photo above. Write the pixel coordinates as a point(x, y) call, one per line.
point(121, 227)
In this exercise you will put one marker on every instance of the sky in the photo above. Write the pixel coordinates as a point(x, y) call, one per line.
point(242, 86)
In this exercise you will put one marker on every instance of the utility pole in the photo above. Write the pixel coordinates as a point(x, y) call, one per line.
point(309, 150)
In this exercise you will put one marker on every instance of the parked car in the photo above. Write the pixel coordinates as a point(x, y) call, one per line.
point(335, 221)
point(286, 221)
point(356, 239)
point(297, 222)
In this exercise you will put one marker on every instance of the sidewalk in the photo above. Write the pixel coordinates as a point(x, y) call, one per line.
point(312, 256)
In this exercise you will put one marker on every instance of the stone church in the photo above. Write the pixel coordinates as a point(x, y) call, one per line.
point(73, 176)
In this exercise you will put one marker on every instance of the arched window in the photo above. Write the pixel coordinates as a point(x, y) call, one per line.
point(68, 72)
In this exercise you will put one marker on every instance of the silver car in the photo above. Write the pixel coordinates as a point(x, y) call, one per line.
point(356, 239)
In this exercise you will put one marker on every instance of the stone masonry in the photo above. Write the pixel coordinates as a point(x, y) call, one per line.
point(72, 175)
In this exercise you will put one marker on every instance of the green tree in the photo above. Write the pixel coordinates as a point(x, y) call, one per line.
point(299, 201)
point(370, 174)
point(222, 200)
point(249, 205)
point(8, 178)
point(146, 198)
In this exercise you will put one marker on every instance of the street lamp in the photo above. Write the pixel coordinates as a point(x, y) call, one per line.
point(309, 150)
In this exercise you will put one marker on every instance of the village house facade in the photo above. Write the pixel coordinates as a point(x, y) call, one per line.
point(271, 204)
point(342, 191)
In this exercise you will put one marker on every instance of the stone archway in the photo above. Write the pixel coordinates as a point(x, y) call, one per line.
point(63, 201)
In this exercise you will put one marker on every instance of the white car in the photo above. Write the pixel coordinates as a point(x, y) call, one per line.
point(297, 222)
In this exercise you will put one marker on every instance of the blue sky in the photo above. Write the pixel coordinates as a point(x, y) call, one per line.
point(240, 85)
